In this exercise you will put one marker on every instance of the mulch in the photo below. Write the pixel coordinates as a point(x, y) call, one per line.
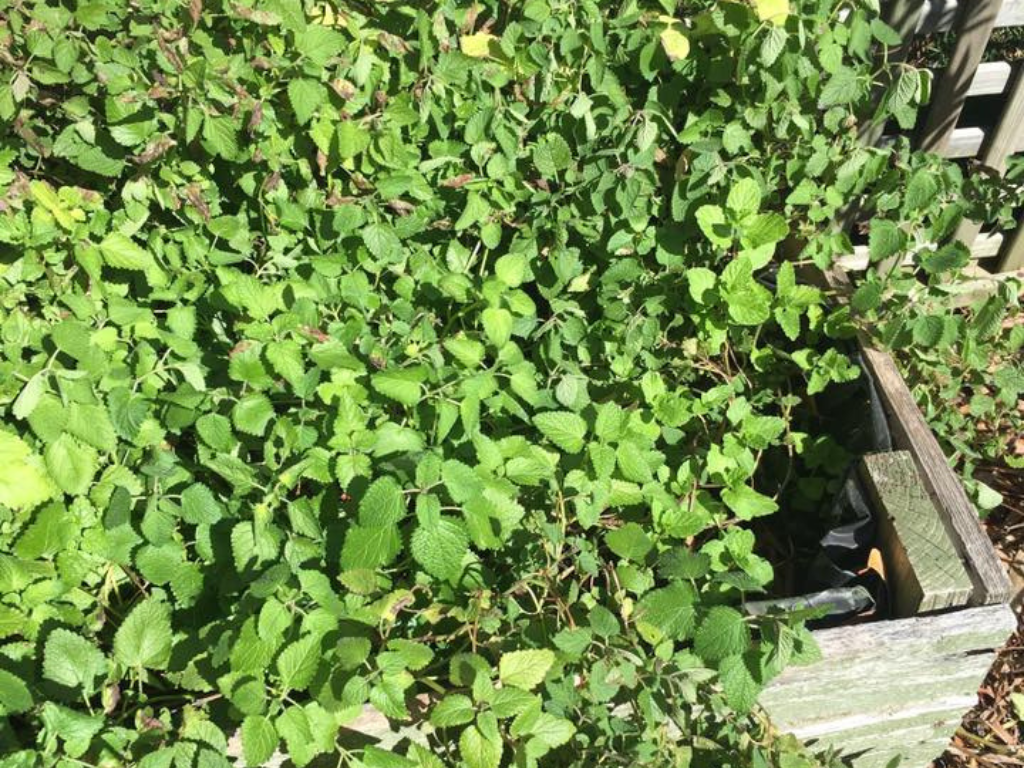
point(992, 734)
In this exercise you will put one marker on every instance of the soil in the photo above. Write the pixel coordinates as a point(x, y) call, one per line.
point(992, 734)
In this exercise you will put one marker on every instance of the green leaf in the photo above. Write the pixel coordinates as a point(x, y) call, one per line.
point(867, 297)
point(199, 506)
point(885, 239)
point(773, 45)
point(71, 464)
point(632, 462)
point(15, 696)
point(305, 96)
point(675, 43)
point(478, 751)
point(220, 134)
point(669, 610)
point(298, 663)
point(747, 503)
point(454, 709)
point(144, 638)
point(383, 504)
point(369, 548)
point(259, 740)
point(842, 88)
point(252, 414)
point(318, 44)
point(121, 252)
point(928, 330)
point(723, 632)
point(551, 731)
point(711, 220)
point(552, 155)
point(71, 660)
point(511, 269)
point(563, 428)
point(744, 197)
point(497, 324)
point(738, 683)
point(382, 242)
point(402, 385)
point(701, 282)
point(29, 397)
point(525, 669)
point(24, 483)
point(440, 547)
point(509, 702)
point(629, 542)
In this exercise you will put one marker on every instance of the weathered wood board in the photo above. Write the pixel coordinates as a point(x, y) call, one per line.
point(924, 571)
point(911, 432)
point(891, 688)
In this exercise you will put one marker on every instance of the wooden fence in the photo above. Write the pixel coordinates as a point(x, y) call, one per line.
point(955, 86)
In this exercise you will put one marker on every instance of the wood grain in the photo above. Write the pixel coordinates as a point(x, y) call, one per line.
point(1012, 258)
point(924, 571)
point(974, 24)
point(940, 15)
point(890, 688)
point(911, 433)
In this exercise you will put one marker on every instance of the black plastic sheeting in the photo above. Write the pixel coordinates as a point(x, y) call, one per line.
point(837, 583)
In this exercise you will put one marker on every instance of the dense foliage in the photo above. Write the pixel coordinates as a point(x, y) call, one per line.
point(422, 356)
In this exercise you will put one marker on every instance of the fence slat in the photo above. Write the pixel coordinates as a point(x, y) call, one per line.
point(1013, 257)
point(991, 78)
point(940, 15)
point(975, 22)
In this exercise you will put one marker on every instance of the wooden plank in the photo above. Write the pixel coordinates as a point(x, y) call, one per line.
point(911, 433)
point(990, 79)
point(1006, 137)
point(977, 284)
point(974, 25)
point(924, 571)
point(985, 246)
point(905, 685)
point(1012, 259)
point(940, 15)
point(963, 142)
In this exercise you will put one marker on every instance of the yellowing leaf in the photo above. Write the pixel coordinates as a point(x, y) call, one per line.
point(24, 482)
point(478, 46)
point(675, 44)
point(774, 11)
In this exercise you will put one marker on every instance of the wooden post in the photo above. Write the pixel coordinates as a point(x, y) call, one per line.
point(1001, 143)
point(924, 571)
point(975, 22)
point(1012, 259)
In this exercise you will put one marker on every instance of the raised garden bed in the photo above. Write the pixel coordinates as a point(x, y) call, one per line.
point(899, 688)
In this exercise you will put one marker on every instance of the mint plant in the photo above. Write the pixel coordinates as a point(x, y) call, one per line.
point(417, 359)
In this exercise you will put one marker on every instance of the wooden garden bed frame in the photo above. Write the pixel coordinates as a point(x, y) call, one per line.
point(900, 687)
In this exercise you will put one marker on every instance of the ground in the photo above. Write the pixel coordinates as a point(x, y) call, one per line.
point(992, 734)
